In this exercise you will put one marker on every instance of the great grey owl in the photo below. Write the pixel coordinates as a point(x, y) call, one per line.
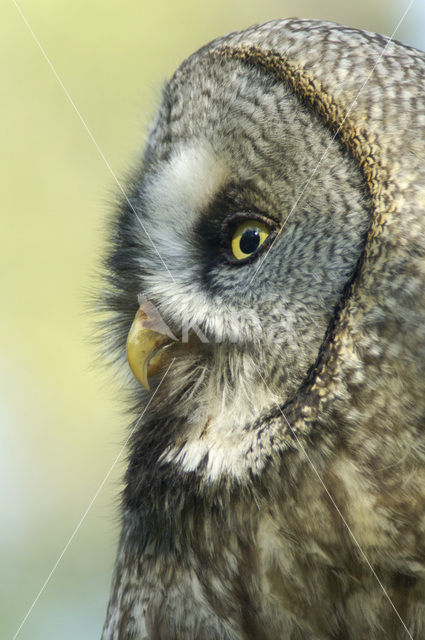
point(271, 250)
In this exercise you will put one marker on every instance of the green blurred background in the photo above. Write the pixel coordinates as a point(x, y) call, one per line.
point(61, 422)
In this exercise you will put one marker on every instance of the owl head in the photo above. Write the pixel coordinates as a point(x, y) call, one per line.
point(254, 229)
point(242, 230)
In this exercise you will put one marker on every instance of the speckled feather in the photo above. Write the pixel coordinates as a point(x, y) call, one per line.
point(274, 461)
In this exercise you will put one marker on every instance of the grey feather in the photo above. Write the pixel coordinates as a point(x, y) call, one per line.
point(280, 468)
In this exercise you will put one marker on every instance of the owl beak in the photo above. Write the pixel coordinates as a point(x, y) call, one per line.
point(146, 349)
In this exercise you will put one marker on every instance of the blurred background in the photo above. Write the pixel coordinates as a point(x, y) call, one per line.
point(61, 421)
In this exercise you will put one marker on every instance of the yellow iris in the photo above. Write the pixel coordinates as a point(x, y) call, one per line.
point(248, 237)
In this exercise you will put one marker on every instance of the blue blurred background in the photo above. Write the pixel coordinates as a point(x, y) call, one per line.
point(61, 421)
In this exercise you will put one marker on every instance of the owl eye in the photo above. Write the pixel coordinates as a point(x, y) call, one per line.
point(248, 237)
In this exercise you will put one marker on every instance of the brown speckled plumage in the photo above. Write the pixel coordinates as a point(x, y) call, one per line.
point(304, 519)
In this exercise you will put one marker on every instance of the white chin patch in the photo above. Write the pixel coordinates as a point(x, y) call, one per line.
point(219, 443)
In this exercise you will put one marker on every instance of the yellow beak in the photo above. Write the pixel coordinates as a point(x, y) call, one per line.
point(145, 349)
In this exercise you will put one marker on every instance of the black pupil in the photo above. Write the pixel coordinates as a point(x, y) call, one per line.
point(250, 240)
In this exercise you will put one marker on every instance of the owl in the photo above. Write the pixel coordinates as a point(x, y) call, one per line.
point(266, 279)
